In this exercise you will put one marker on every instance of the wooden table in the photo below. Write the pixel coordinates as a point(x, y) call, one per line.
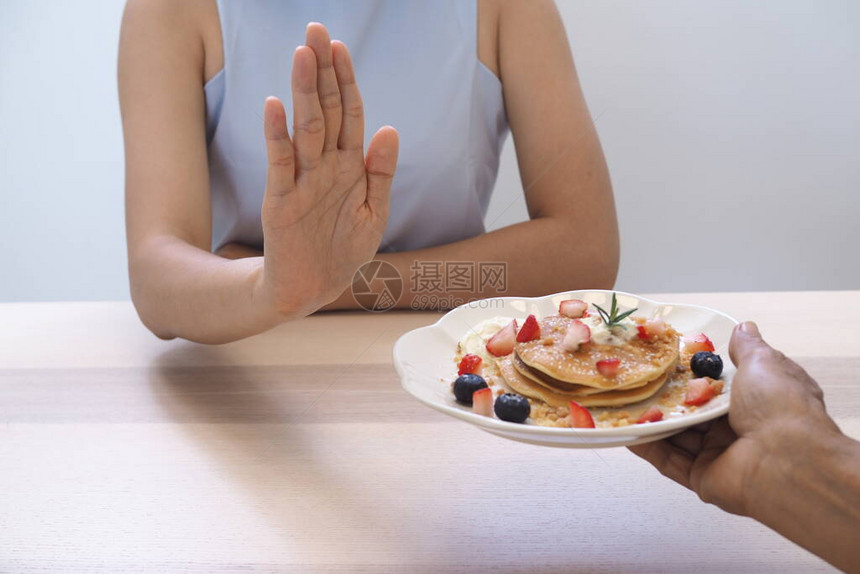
point(297, 451)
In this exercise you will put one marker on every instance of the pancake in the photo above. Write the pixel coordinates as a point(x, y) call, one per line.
point(642, 361)
point(528, 388)
point(552, 384)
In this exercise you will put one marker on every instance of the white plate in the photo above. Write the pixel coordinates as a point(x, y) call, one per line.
point(424, 359)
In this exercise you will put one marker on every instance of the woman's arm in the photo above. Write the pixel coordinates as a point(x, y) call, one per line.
point(325, 203)
point(178, 287)
point(571, 240)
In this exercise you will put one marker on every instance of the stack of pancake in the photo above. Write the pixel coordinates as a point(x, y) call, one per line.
point(541, 369)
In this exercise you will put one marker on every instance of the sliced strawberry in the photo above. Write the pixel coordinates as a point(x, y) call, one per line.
point(529, 331)
point(698, 343)
point(470, 364)
point(699, 391)
point(577, 334)
point(652, 415)
point(573, 308)
point(580, 418)
point(482, 402)
point(502, 343)
point(655, 327)
point(608, 367)
point(651, 328)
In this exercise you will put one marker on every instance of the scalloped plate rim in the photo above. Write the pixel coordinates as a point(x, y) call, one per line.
point(578, 437)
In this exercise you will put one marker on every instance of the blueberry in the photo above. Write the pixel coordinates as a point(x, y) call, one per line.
point(512, 408)
point(467, 384)
point(706, 364)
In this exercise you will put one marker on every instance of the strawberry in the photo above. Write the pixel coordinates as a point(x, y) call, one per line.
point(652, 415)
point(580, 418)
point(529, 331)
point(698, 343)
point(573, 308)
point(502, 343)
point(699, 391)
point(482, 402)
point(608, 367)
point(470, 364)
point(651, 328)
point(577, 334)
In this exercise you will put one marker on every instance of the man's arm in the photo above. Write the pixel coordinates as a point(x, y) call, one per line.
point(778, 457)
point(808, 490)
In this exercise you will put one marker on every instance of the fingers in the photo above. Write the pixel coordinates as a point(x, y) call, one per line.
point(318, 40)
point(720, 437)
point(690, 441)
point(308, 120)
point(380, 163)
point(714, 444)
point(745, 340)
point(671, 461)
point(703, 427)
point(352, 127)
point(280, 176)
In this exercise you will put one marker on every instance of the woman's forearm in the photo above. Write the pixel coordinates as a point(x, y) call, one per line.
point(182, 291)
point(536, 257)
point(810, 493)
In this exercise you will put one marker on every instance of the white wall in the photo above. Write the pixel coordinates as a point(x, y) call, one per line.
point(61, 164)
point(732, 131)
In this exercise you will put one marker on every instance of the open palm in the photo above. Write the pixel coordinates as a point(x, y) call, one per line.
point(326, 202)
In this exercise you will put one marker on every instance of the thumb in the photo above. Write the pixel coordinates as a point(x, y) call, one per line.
point(280, 176)
point(746, 339)
point(380, 163)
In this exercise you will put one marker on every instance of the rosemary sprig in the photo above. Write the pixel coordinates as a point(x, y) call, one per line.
point(613, 319)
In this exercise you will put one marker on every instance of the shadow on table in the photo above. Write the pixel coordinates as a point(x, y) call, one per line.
point(248, 420)
point(296, 441)
point(266, 429)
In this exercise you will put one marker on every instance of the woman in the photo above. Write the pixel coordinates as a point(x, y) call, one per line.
point(450, 75)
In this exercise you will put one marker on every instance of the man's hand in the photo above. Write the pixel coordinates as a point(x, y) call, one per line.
point(774, 405)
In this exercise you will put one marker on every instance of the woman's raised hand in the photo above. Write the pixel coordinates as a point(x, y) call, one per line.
point(326, 202)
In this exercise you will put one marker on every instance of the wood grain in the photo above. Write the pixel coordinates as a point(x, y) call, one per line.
point(297, 451)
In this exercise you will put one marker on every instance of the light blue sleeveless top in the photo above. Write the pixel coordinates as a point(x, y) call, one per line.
point(417, 67)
